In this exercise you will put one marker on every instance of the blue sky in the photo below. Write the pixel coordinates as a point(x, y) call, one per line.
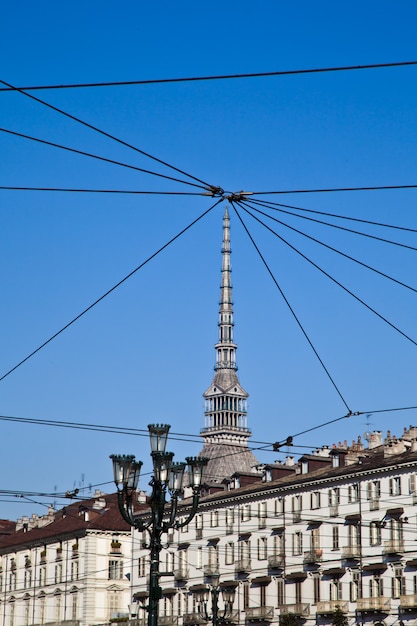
point(145, 354)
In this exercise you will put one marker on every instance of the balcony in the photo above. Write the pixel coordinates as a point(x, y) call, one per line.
point(167, 620)
point(373, 604)
point(393, 546)
point(260, 614)
point(192, 619)
point(296, 517)
point(243, 566)
point(374, 504)
point(276, 561)
point(331, 606)
point(211, 569)
point(334, 510)
point(231, 618)
point(351, 552)
point(300, 609)
point(313, 556)
point(181, 573)
point(408, 602)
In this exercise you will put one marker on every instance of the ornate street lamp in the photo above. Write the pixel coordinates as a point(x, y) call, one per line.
point(228, 594)
point(167, 477)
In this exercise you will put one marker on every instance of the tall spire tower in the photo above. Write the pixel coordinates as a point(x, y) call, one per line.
point(225, 433)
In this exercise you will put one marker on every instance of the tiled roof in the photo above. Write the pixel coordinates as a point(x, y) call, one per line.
point(71, 521)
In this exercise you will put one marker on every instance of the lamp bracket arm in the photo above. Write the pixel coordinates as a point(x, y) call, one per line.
point(196, 497)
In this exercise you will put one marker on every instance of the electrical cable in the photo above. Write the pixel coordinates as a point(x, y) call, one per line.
point(290, 308)
point(114, 191)
point(158, 81)
point(108, 292)
point(338, 283)
point(343, 228)
point(104, 133)
point(95, 156)
point(343, 254)
point(332, 189)
point(340, 217)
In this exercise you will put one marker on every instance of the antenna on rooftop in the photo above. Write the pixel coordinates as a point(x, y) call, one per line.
point(367, 433)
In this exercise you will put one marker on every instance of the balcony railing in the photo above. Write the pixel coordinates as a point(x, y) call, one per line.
point(231, 618)
point(193, 619)
point(331, 606)
point(276, 561)
point(408, 602)
point(260, 614)
point(334, 510)
point(313, 556)
point(374, 504)
point(211, 569)
point(373, 604)
point(243, 565)
point(393, 546)
point(351, 552)
point(167, 620)
point(181, 573)
point(300, 609)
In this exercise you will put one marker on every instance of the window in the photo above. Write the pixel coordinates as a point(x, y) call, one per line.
point(279, 507)
point(279, 543)
point(199, 526)
point(42, 576)
point(316, 588)
point(214, 519)
point(142, 564)
point(12, 581)
point(353, 493)
point(230, 553)
point(297, 543)
point(58, 573)
point(245, 513)
point(262, 514)
point(74, 569)
point(58, 602)
point(262, 548)
point(395, 486)
point(335, 592)
point(376, 587)
point(115, 569)
point(280, 591)
point(355, 586)
point(315, 539)
point(244, 551)
point(27, 578)
point(230, 518)
point(334, 496)
point(12, 612)
point(262, 595)
point(245, 595)
point(335, 537)
point(74, 605)
point(315, 500)
point(398, 583)
point(412, 484)
point(213, 556)
point(375, 533)
point(298, 592)
point(26, 610)
point(42, 601)
point(373, 490)
point(353, 536)
point(297, 506)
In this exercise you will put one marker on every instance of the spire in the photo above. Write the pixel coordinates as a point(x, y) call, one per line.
point(225, 433)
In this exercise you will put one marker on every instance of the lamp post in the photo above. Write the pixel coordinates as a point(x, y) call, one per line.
point(228, 594)
point(167, 478)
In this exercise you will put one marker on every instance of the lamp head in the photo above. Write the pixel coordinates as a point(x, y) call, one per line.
point(162, 462)
point(158, 434)
point(122, 467)
point(196, 465)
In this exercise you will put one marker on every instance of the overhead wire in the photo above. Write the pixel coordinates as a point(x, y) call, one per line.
point(188, 79)
point(103, 133)
point(110, 191)
point(343, 254)
point(109, 291)
point(332, 189)
point(291, 309)
point(99, 158)
point(342, 228)
point(338, 216)
point(338, 283)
